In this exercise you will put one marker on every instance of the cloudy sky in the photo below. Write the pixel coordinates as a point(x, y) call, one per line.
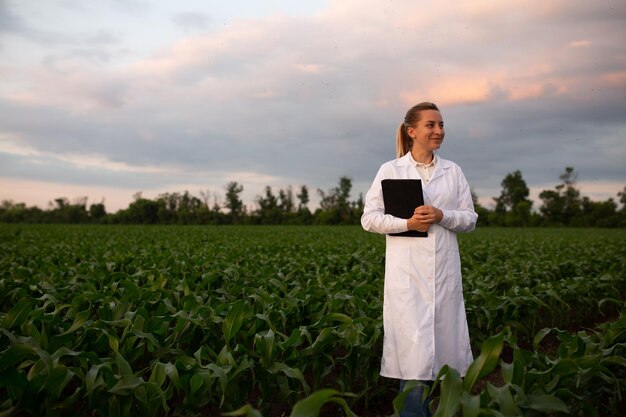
point(107, 98)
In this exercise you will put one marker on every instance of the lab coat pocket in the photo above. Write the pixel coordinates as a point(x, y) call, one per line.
point(398, 266)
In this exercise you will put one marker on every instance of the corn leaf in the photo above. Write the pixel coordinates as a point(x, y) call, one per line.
point(18, 313)
point(486, 362)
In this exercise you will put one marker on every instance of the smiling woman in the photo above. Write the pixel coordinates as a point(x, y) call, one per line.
point(423, 312)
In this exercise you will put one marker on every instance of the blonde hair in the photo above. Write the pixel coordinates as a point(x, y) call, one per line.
point(403, 140)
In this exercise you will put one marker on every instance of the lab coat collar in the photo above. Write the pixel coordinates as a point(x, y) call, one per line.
point(405, 160)
point(441, 166)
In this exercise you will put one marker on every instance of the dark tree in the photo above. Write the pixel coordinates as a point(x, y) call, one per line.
point(304, 215)
point(233, 202)
point(563, 204)
point(141, 211)
point(285, 201)
point(622, 198)
point(303, 197)
point(483, 213)
point(571, 195)
point(268, 212)
point(97, 211)
point(513, 206)
point(334, 204)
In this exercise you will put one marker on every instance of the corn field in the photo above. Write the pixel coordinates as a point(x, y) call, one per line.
point(287, 321)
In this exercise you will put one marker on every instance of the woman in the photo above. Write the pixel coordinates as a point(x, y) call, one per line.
point(424, 319)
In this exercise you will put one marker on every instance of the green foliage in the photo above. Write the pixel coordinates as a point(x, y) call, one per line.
point(585, 376)
point(562, 206)
point(233, 203)
point(155, 321)
point(335, 208)
point(513, 208)
point(312, 405)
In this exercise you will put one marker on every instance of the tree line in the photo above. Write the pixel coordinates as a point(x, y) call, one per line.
point(562, 206)
point(184, 208)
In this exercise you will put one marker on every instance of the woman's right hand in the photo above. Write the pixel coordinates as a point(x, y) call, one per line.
point(413, 223)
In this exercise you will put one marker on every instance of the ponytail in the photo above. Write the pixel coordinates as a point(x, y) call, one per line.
point(403, 141)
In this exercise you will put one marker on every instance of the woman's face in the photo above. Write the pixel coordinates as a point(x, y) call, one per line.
point(428, 134)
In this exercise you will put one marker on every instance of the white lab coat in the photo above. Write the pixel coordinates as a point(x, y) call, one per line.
point(424, 319)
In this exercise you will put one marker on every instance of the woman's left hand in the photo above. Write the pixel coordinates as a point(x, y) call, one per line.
point(428, 214)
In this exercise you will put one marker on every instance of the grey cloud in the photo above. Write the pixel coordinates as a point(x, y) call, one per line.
point(132, 7)
point(9, 22)
point(539, 138)
point(191, 20)
point(91, 45)
point(15, 25)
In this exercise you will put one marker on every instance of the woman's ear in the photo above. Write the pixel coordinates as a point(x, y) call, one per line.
point(411, 132)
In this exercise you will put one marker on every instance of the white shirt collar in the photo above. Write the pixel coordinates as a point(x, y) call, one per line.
point(422, 165)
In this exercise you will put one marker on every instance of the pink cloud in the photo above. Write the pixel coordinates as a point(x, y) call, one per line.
point(615, 79)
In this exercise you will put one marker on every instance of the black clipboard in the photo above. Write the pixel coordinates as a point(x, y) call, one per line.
point(401, 197)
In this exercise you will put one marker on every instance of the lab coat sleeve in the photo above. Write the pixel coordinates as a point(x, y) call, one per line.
point(463, 218)
point(374, 218)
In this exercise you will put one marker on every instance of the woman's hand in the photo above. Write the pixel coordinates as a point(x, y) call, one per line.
point(414, 223)
point(423, 217)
